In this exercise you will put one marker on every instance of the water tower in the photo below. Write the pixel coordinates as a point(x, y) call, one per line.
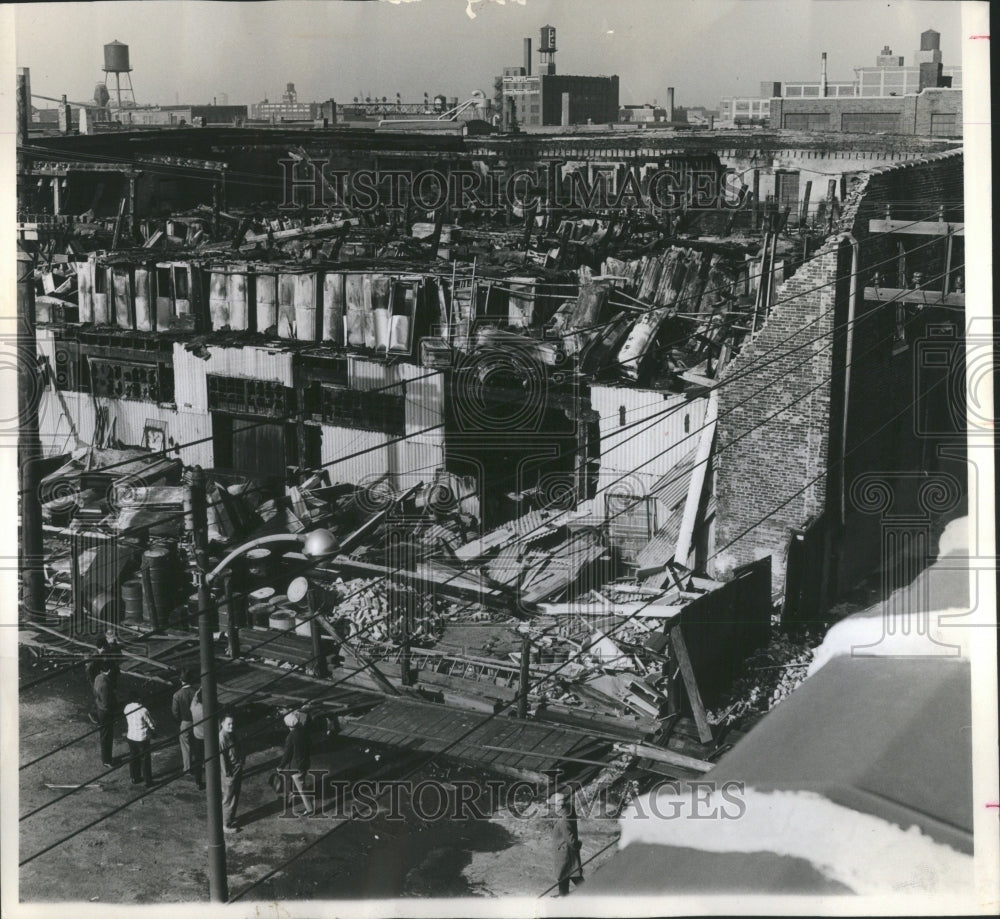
point(547, 49)
point(116, 62)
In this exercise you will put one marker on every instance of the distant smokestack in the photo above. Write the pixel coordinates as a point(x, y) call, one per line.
point(527, 57)
point(822, 76)
point(670, 103)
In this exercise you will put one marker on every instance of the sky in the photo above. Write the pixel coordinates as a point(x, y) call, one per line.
point(190, 51)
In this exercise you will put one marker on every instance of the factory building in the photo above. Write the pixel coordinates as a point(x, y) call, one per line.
point(890, 97)
point(547, 98)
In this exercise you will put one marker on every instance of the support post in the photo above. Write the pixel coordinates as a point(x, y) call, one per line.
point(523, 679)
point(804, 216)
point(405, 662)
point(320, 666)
point(218, 887)
point(234, 627)
point(28, 441)
point(691, 685)
point(756, 198)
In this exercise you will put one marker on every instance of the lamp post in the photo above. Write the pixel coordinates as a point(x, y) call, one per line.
point(317, 544)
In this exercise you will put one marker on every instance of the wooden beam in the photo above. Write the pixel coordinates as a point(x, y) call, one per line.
point(691, 685)
point(665, 756)
point(920, 297)
point(920, 228)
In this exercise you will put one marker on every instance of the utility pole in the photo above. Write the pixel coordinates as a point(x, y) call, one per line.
point(218, 887)
point(234, 614)
point(522, 685)
point(321, 668)
point(28, 442)
point(29, 452)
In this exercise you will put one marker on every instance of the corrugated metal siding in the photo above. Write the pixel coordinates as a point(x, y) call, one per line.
point(654, 452)
point(337, 442)
point(190, 392)
point(419, 461)
point(366, 375)
point(130, 419)
point(182, 428)
point(258, 363)
point(424, 400)
point(54, 426)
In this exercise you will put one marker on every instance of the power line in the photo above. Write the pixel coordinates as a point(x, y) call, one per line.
point(549, 676)
point(277, 579)
point(488, 718)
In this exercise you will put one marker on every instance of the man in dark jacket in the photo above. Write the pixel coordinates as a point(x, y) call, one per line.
point(566, 843)
point(232, 760)
point(180, 706)
point(296, 757)
point(108, 651)
point(106, 702)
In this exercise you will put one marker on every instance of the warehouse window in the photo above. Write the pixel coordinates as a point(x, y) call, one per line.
point(944, 125)
point(870, 122)
point(807, 121)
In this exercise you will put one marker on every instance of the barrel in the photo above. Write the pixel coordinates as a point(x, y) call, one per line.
point(103, 608)
point(132, 600)
point(260, 566)
point(163, 583)
point(260, 607)
point(260, 614)
point(281, 620)
point(297, 591)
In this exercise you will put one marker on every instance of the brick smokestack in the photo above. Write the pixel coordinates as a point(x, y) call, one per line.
point(670, 103)
point(527, 57)
point(822, 76)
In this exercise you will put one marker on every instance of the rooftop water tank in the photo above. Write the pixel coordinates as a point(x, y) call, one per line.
point(116, 58)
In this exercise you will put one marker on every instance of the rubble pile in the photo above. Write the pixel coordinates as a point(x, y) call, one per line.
point(769, 675)
point(372, 614)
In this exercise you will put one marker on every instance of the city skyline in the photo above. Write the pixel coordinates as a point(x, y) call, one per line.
point(359, 46)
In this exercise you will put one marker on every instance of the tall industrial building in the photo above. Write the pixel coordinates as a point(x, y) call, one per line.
point(548, 98)
point(871, 103)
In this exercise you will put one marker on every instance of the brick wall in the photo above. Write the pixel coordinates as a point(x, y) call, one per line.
point(914, 112)
point(765, 461)
point(777, 474)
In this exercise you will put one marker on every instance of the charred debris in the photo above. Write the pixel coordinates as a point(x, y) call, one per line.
point(561, 595)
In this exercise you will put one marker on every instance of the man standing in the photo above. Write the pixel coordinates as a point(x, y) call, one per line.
point(198, 739)
point(107, 705)
point(566, 843)
point(181, 708)
point(296, 756)
point(140, 727)
point(108, 651)
point(231, 760)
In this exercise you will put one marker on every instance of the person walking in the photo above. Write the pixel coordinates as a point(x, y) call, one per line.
point(231, 762)
point(296, 757)
point(106, 703)
point(180, 706)
point(198, 740)
point(140, 729)
point(566, 843)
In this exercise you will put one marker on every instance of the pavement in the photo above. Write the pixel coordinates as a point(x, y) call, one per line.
point(115, 843)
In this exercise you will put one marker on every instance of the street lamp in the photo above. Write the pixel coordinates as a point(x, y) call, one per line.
point(316, 544)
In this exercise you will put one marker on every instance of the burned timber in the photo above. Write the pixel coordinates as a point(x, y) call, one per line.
point(535, 484)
